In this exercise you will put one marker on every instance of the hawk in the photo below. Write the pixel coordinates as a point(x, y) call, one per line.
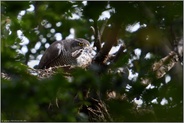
point(75, 52)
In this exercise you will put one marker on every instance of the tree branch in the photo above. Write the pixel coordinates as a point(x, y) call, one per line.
point(112, 39)
point(97, 36)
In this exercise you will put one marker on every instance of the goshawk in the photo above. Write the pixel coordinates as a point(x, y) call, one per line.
point(75, 52)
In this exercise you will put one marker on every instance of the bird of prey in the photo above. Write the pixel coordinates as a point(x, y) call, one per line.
point(75, 52)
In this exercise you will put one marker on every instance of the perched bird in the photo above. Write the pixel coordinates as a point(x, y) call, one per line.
point(67, 52)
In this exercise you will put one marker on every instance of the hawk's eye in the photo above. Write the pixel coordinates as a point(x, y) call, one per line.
point(83, 44)
point(77, 44)
point(80, 44)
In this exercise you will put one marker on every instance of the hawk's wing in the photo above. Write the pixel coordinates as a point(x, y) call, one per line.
point(51, 54)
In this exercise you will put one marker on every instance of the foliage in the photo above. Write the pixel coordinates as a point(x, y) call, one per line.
point(28, 98)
